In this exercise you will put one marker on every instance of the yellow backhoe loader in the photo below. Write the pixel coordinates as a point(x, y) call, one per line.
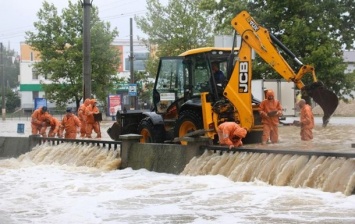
point(189, 101)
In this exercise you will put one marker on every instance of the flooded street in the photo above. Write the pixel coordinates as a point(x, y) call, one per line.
point(339, 135)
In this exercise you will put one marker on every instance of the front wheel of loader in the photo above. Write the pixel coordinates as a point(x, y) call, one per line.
point(187, 122)
point(149, 132)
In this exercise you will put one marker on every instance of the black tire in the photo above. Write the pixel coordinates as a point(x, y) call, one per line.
point(150, 133)
point(188, 121)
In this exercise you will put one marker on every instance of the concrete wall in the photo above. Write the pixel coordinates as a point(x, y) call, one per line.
point(164, 158)
point(14, 146)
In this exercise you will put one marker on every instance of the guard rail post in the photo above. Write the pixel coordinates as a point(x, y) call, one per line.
point(33, 141)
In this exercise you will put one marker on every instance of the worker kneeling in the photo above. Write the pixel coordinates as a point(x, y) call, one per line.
point(231, 134)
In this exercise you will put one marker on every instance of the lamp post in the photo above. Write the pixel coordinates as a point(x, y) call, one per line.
point(3, 83)
point(86, 4)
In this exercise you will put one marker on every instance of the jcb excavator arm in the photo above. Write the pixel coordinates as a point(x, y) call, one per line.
point(262, 42)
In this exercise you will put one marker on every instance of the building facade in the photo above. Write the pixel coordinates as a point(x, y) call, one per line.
point(349, 59)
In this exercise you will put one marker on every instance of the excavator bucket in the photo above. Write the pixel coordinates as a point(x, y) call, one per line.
point(326, 99)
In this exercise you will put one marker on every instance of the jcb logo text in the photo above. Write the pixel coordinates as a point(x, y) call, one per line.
point(253, 24)
point(243, 77)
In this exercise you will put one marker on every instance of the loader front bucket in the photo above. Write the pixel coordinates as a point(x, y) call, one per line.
point(326, 99)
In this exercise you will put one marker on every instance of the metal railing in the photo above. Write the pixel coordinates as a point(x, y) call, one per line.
point(221, 149)
point(110, 145)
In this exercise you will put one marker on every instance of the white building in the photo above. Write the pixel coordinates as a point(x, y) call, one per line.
point(349, 59)
point(30, 87)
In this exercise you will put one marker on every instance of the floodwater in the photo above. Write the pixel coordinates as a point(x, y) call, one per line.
point(69, 184)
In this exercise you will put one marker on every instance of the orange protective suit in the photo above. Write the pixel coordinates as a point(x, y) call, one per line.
point(82, 117)
point(46, 124)
point(91, 124)
point(54, 125)
point(306, 121)
point(70, 124)
point(231, 134)
point(38, 118)
point(270, 110)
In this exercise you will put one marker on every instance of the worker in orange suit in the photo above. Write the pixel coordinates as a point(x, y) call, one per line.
point(306, 120)
point(270, 110)
point(70, 125)
point(38, 120)
point(82, 117)
point(231, 134)
point(54, 125)
point(91, 123)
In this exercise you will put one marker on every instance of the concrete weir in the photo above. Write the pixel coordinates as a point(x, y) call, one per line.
point(167, 158)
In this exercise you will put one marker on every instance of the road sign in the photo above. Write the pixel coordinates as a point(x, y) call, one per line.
point(132, 90)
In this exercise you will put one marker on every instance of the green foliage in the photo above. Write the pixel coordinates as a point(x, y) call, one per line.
point(59, 40)
point(174, 28)
point(144, 86)
point(315, 31)
point(13, 100)
point(11, 69)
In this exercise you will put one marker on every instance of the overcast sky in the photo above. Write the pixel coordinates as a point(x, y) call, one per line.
point(18, 16)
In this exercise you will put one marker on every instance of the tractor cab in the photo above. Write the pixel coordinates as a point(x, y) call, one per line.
point(182, 79)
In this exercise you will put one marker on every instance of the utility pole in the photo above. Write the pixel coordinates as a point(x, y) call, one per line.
point(131, 58)
point(86, 4)
point(3, 83)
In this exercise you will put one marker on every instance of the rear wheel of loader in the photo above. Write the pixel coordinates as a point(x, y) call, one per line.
point(187, 122)
point(149, 132)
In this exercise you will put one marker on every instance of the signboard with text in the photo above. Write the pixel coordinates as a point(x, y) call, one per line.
point(132, 90)
point(114, 104)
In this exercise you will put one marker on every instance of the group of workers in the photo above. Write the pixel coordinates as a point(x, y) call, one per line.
point(84, 124)
point(270, 109)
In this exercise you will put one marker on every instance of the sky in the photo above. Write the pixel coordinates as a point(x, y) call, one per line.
point(18, 16)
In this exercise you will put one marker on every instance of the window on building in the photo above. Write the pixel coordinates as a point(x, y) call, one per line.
point(34, 73)
point(35, 94)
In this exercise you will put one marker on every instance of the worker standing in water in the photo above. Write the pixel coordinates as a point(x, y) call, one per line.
point(91, 122)
point(38, 120)
point(231, 134)
point(306, 120)
point(70, 125)
point(82, 117)
point(54, 125)
point(270, 110)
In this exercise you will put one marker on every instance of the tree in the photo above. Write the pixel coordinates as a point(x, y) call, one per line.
point(174, 28)
point(13, 100)
point(59, 40)
point(144, 87)
point(11, 69)
point(315, 31)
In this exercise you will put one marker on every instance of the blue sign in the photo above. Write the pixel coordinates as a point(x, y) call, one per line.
point(132, 90)
point(40, 102)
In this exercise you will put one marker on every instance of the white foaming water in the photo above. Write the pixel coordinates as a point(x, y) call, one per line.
point(53, 185)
